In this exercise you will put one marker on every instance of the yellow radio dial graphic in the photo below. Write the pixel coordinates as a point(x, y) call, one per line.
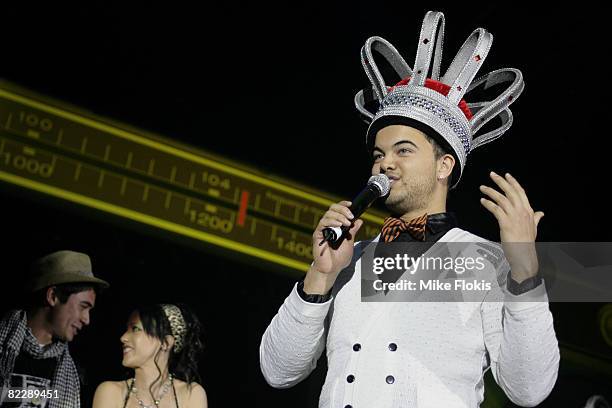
point(57, 150)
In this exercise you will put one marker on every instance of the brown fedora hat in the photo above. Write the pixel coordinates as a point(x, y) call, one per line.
point(62, 267)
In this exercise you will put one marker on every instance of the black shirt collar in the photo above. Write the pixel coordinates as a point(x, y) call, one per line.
point(440, 222)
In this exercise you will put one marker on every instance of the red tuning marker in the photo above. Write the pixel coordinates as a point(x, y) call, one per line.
point(242, 210)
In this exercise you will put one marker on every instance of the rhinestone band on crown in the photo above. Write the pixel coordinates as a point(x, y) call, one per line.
point(398, 98)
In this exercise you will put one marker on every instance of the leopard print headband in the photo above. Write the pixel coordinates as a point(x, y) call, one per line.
point(177, 325)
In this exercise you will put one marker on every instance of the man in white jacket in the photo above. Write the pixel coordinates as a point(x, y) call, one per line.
point(422, 354)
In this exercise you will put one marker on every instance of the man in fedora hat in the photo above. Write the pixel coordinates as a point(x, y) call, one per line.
point(60, 292)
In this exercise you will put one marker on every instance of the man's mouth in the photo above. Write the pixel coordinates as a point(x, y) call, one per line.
point(127, 349)
point(393, 179)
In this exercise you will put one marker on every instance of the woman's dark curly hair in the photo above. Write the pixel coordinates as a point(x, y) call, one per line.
point(183, 364)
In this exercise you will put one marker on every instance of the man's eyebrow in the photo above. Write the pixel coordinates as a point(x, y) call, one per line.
point(376, 148)
point(88, 304)
point(405, 141)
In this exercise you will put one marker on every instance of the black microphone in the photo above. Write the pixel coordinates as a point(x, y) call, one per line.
point(378, 186)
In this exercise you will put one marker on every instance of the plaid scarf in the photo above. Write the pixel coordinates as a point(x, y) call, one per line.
point(16, 337)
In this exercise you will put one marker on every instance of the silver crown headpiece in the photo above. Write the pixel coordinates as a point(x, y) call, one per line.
point(437, 101)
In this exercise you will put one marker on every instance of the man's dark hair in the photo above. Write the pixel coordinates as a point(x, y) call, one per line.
point(63, 291)
point(439, 151)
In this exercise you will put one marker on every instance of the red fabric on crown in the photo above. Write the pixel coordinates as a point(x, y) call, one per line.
point(440, 88)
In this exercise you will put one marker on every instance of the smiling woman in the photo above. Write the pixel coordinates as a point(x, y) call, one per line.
point(162, 345)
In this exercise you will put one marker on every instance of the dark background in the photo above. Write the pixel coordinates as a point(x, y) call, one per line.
point(272, 86)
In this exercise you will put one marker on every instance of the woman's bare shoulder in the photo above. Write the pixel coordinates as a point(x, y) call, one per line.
point(193, 393)
point(109, 393)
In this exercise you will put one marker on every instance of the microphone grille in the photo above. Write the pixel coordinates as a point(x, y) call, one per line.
point(381, 182)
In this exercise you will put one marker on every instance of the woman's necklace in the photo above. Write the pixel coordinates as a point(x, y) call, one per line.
point(156, 402)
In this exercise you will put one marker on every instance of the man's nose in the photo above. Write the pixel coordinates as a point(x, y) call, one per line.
point(85, 317)
point(388, 163)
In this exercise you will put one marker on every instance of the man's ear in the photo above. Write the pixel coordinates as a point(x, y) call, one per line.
point(446, 164)
point(51, 296)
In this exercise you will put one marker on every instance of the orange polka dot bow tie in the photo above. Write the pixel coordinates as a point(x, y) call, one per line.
point(393, 227)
